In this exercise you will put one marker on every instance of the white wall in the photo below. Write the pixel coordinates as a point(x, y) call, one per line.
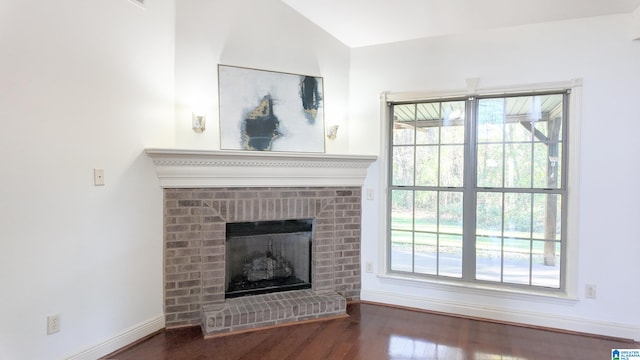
point(266, 35)
point(90, 85)
point(83, 85)
point(599, 51)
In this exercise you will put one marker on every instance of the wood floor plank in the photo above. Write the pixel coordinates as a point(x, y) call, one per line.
point(373, 332)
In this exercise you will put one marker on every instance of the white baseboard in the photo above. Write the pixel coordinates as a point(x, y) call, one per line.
point(125, 338)
point(611, 329)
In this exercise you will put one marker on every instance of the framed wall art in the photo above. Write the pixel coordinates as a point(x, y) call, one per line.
point(270, 111)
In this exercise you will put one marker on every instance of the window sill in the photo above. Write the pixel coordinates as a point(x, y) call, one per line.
point(541, 296)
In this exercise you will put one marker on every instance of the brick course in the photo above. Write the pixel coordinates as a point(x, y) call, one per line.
point(194, 240)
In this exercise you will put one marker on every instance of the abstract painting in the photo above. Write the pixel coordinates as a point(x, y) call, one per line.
point(270, 111)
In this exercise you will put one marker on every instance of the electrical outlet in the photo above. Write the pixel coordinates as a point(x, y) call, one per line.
point(53, 324)
point(369, 267)
point(370, 194)
point(589, 291)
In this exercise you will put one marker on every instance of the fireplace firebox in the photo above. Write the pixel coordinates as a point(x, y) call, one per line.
point(268, 256)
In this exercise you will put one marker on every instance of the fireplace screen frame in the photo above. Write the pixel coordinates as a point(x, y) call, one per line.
point(263, 254)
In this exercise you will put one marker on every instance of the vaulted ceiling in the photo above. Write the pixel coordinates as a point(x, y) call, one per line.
point(370, 22)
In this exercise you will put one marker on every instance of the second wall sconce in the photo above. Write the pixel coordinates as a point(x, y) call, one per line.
point(198, 122)
point(332, 132)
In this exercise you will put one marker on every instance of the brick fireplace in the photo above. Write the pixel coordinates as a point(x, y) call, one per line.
point(203, 191)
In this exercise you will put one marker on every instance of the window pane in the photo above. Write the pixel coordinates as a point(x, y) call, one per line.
point(453, 134)
point(488, 258)
point(401, 250)
point(450, 255)
point(541, 115)
point(522, 112)
point(428, 133)
point(427, 166)
point(453, 122)
point(403, 165)
point(428, 111)
point(489, 247)
point(426, 211)
point(517, 215)
point(517, 261)
point(403, 124)
point(547, 216)
point(428, 124)
point(489, 214)
point(451, 165)
point(490, 162)
point(548, 130)
point(453, 111)
point(547, 225)
point(490, 120)
point(518, 130)
point(402, 210)
point(547, 165)
point(518, 165)
point(546, 273)
point(426, 256)
point(555, 172)
point(450, 212)
point(548, 122)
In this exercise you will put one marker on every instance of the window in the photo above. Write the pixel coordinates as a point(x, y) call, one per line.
point(478, 189)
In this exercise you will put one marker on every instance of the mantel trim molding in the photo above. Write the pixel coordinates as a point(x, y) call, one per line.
point(182, 168)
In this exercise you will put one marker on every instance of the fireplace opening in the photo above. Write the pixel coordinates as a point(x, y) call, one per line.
point(268, 256)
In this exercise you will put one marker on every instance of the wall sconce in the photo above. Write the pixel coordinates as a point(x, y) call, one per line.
point(332, 132)
point(198, 122)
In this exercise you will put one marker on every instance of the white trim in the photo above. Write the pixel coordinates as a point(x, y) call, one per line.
point(502, 90)
point(383, 179)
point(482, 289)
point(182, 168)
point(125, 338)
point(573, 190)
point(503, 314)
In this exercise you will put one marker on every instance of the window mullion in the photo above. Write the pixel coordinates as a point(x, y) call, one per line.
point(413, 192)
point(413, 232)
point(439, 185)
point(502, 236)
point(469, 193)
point(504, 185)
point(531, 238)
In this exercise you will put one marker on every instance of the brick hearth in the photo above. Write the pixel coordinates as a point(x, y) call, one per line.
point(194, 239)
point(265, 310)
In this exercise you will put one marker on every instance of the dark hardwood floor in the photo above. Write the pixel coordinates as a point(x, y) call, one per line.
point(378, 332)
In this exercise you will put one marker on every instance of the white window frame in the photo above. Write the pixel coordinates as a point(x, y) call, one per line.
point(570, 291)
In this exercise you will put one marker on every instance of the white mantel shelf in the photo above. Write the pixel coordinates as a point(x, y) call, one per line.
point(182, 168)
